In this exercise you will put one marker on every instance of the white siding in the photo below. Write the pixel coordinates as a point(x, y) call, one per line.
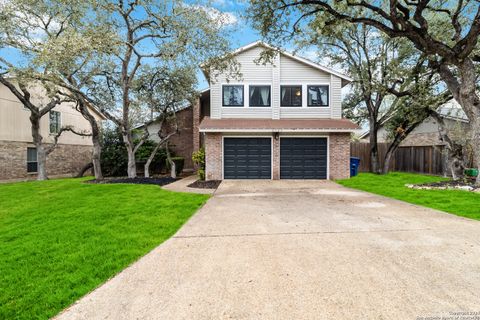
point(336, 97)
point(295, 71)
point(283, 71)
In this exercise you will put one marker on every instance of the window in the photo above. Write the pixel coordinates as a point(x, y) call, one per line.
point(31, 160)
point(233, 96)
point(55, 122)
point(291, 96)
point(259, 96)
point(318, 96)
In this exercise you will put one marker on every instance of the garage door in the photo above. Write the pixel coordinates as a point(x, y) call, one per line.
point(303, 158)
point(247, 158)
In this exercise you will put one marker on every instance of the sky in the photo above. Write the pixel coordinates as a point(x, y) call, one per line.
point(244, 33)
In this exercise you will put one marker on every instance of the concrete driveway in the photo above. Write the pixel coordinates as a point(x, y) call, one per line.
point(300, 250)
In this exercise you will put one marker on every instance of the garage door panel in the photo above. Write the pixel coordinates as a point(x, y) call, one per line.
point(303, 158)
point(247, 158)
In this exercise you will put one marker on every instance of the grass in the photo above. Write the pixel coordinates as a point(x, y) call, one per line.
point(60, 239)
point(461, 203)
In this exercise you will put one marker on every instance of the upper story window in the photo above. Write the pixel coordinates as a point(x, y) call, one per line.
point(317, 96)
point(291, 96)
point(259, 96)
point(32, 160)
point(55, 122)
point(232, 95)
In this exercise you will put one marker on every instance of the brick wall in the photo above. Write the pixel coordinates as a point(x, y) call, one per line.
point(339, 156)
point(196, 123)
point(213, 156)
point(276, 159)
point(65, 160)
point(182, 142)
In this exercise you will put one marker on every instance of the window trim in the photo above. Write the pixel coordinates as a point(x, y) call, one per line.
point(291, 86)
point(269, 98)
point(36, 155)
point(50, 122)
point(243, 95)
point(328, 96)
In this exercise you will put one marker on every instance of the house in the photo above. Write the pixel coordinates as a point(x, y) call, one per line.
point(181, 143)
point(426, 134)
point(282, 120)
point(18, 156)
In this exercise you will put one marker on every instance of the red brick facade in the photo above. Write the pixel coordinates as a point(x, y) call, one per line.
point(213, 156)
point(339, 156)
point(183, 142)
point(65, 160)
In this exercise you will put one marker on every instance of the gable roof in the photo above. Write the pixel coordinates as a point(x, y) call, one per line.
point(345, 79)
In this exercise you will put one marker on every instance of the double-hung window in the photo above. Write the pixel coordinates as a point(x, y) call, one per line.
point(317, 96)
point(291, 96)
point(260, 96)
point(232, 95)
point(32, 160)
point(55, 122)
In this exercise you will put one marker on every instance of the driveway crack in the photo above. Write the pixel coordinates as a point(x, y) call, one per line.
point(295, 233)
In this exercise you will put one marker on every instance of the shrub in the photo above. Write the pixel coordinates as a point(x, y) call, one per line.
point(115, 160)
point(198, 159)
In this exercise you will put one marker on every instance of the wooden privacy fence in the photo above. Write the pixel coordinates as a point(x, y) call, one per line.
point(417, 159)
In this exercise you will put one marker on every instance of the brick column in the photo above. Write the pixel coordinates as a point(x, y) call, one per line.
point(276, 158)
point(339, 155)
point(213, 156)
point(196, 124)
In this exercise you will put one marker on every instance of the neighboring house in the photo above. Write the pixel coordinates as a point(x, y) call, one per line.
point(18, 156)
point(283, 120)
point(426, 134)
point(181, 143)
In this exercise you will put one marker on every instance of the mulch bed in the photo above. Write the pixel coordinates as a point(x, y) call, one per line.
point(467, 185)
point(160, 181)
point(201, 184)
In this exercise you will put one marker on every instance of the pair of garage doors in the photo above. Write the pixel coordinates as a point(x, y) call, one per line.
point(251, 158)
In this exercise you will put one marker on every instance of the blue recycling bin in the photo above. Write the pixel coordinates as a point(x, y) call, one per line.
point(354, 164)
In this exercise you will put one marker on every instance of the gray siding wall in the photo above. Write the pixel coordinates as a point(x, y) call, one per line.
point(282, 71)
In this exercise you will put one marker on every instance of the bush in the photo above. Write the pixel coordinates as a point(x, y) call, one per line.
point(179, 164)
point(114, 154)
point(198, 159)
point(115, 159)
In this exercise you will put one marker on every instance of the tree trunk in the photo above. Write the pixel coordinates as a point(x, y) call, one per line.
point(464, 92)
point(374, 157)
point(390, 151)
point(455, 156)
point(41, 162)
point(84, 169)
point(150, 159)
point(173, 169)
point(97, 147)
point(38, 142)
point(131, 164)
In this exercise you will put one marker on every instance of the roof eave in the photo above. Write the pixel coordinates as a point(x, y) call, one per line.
point(272, 130)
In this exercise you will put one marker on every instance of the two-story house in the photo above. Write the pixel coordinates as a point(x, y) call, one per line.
point(283, 120)
point(18, 155)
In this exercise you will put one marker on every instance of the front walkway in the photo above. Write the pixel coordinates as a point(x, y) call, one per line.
point(300, 250)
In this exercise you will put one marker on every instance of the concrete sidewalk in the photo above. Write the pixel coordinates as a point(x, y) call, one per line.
point(300, 250)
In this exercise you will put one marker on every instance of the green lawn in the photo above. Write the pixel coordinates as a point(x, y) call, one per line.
point(461, 203)
point(60, 239)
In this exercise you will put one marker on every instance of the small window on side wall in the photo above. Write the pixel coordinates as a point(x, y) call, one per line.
point(317, 96)
point(32, 160)
point(259, 96)
point(232, 96)
point(291, 96)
